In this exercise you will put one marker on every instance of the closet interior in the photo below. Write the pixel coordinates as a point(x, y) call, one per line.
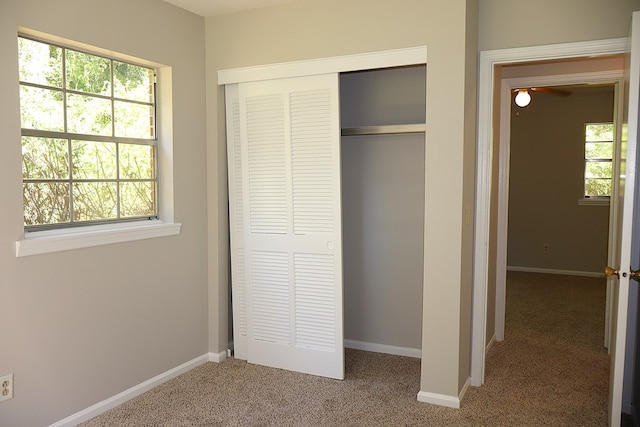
point(382, 115)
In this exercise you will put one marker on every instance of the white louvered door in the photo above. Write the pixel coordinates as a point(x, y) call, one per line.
point(290, 258)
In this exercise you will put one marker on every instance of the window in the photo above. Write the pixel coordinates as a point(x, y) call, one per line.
point(89, 147)
point(598, 160)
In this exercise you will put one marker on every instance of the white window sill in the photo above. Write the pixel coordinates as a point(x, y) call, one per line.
point(596, 201)
point(42, 242)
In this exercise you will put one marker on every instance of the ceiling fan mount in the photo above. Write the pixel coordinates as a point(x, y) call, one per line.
point(523, 97)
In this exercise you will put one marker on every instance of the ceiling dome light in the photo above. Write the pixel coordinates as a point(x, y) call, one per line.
point(523, 98)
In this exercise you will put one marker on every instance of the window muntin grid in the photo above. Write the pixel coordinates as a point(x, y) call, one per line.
point(89, 147)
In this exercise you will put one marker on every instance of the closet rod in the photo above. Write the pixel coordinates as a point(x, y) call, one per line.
point(384, 129)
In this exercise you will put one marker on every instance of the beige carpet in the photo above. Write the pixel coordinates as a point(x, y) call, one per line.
point(551, 370)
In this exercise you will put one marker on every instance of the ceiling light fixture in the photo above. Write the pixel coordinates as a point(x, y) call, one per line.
point(523, 98)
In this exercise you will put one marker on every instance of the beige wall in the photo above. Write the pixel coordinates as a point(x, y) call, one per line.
point(520, 23)
point(383, 214)
point(80, 326)
point(314, 29)
point(546, 181)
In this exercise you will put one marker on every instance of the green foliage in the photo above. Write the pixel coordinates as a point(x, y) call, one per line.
point(87, 73)
point(93, 160)
point(598, 154)
point(599, 132)
point(77, 180)
point(132, 82)
point(598, 150)
point(596, 187)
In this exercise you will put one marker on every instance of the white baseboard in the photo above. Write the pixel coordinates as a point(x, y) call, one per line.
point(120, 398)
point(554, 271)
point(444, 399)
point(217, 357)
point(383, 348)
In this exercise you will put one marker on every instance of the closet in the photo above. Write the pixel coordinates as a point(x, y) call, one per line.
point(326, 204)
point(382, 118)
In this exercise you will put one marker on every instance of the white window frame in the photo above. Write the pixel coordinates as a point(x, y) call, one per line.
point(594, 201)
point(42, 242)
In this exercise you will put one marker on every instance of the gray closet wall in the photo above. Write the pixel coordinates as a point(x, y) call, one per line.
point(383, 207)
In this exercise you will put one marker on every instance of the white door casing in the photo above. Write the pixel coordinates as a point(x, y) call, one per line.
point(484, 165)
point(289, 151)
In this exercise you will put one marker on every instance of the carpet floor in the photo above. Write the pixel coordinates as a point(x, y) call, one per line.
point(551, 370)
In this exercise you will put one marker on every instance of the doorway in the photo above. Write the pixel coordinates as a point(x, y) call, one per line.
point(490, 236)
point(564, 201)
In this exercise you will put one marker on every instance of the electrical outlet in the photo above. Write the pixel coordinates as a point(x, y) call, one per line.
point(6, 387)
point(545, 248)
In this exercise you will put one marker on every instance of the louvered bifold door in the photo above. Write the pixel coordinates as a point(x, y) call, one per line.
point(290, 136)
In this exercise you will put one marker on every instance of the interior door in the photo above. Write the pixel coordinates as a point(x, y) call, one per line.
point(291, 239)
point(628, 222)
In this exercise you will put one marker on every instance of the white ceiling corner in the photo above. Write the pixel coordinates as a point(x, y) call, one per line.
point(221, 7)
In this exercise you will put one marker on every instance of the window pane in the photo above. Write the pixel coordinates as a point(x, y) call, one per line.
point(598, 169)
point(45, 158)
point(132, 82)
point(45, 203)
point(88, 73)
point(598, 150)
point(70, 98)
point(133, 120)
point(41, 109)
point(599, 132)
point(597, 187)
point(40, 63)
point(94, 200)
point(137, 199)
point(88, 115)
point(93, 160)
point(136, 161)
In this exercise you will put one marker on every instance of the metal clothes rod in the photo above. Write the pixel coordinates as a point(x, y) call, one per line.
point(384, 129)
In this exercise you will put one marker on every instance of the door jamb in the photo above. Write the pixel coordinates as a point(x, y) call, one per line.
point(484, 158)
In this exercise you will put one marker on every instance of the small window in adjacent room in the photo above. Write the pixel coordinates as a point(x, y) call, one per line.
point(598, 163)
point(89, 146)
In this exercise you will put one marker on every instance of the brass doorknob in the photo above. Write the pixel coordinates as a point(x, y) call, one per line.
point(608, 271)
point(633, 274)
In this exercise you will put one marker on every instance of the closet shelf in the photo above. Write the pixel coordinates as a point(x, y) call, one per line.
point(384, 129)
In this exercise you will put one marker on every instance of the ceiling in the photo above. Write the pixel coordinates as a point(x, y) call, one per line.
point(220, 7)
